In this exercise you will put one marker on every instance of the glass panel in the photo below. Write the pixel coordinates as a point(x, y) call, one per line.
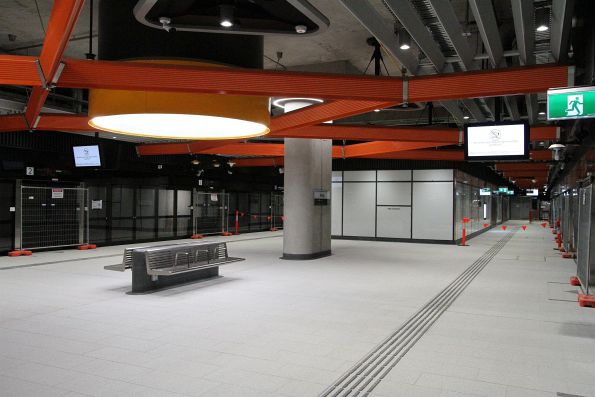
point(184, 212)
point(145, 213)
point(7, 192)
point(166, 213)
point(122, 212)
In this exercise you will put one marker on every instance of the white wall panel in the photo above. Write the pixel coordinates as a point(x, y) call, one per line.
point(394, 175)
point(432, 210)
point(394, 193)
point(360, 176)
point(432, 175)
point(337, 176)
point(359, 209)
point(394, 222)
point(336, 209)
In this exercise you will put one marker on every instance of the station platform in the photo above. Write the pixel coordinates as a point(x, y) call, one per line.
point(271, 327)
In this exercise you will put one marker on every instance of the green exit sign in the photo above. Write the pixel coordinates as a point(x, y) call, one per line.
point(571, 103)
point(503, 190)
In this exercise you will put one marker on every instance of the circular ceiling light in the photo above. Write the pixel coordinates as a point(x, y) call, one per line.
point(281, 102)
point(179, 115)
point(179, 126)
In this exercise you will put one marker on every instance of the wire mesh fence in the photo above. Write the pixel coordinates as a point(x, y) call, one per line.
point(210, 213)
point(50, 217)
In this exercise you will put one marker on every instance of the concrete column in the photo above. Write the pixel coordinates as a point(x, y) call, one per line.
point(308, 168)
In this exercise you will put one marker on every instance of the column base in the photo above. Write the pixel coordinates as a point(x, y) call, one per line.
point(298, 257)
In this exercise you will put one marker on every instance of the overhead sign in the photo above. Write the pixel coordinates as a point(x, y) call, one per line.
point(86, 156)
point(532, 192)
point(510, 192)
point(571, 103)
point(486, 191)
point(497, 141)
point(30, 171)
point(502, 189)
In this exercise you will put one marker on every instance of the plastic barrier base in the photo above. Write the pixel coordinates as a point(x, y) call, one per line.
point(569, 255)
point(575, 281)
point(586, 300)
point(227, 234)
point(20, 253)
point(274, 229)
point(86, 247)
point(196, 236)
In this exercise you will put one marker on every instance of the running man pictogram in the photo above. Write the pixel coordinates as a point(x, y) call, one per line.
point(575, 106)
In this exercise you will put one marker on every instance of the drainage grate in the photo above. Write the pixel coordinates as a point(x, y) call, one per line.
point(361, 379)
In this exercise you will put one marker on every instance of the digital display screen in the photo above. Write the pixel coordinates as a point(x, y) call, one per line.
point(486, 191)
point(86, 156)
point(497, 141)
point(532, 192)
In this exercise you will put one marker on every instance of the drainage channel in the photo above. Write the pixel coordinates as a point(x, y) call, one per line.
point(362, 378)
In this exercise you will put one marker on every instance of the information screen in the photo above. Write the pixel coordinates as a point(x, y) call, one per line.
point(497, 141)
point(86, 156)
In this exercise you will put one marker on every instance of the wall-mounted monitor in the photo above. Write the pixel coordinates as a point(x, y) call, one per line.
point(86, 156)
point(497, 141)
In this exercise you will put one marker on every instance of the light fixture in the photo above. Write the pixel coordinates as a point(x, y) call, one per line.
point(301, 29)
point(542, 113)
point(216, 164)
point(226, 15)
point(556, 148)
point(404, 39)
point(376, 110)
point(465, 117)
point(195, 162)
point(231, 163)
point(281, 102)
point(178, 115)
point(542, 19)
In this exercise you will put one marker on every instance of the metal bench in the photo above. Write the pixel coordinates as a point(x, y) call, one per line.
point(176, 259)
point(127, 257)
point(167, 265)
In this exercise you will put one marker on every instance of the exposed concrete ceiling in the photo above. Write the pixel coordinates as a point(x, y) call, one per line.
point(342, 48)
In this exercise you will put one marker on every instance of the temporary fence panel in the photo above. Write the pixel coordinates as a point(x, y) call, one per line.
point(586, 235)
point(210, 213)
point(50, 217)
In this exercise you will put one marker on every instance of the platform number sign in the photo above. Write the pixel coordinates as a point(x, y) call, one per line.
point(571, 103)
point(30, 171)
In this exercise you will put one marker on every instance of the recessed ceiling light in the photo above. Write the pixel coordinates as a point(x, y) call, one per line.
point(465, 117)
point(376, 110)
point(226, 14)
point(542, 19)
point(281, 102)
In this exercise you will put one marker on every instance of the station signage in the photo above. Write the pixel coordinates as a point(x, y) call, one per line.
point(502, 190)
point(571, 103)
point(485, 191)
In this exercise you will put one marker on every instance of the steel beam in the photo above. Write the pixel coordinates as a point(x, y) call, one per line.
point(474, 110)
point(409, 18)
point(450, 22)
point(560, 28)
point(483, 12)
point(365, 13)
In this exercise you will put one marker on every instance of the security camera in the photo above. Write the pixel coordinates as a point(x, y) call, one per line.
point(166, 24)
point(301, 29)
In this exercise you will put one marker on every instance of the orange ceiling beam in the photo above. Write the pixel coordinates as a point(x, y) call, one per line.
point(260, 162)
point(63, 122)
point(526, 173)
point(499, 82)
point(180, 78)
point(367, 133)
point(62, 21)
point(18, 70)
point(180, 148)
point(382, 147)
point(540, 155)
point(324, 112)
point(447, 155)
point(13, 122)
point(247, 149)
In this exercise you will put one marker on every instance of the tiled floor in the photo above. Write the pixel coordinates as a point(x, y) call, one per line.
point(271, 327)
